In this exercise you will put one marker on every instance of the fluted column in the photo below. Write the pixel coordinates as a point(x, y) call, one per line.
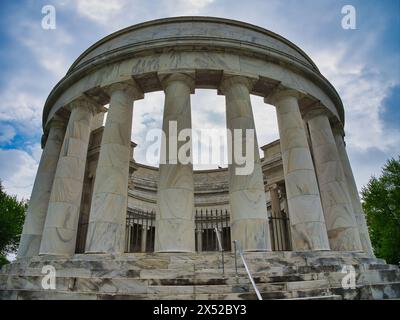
point(107, 219)
point(353, 192)
point(307, 221)
point(175, 223)
point(247, 199)
point(60, 229)
point(39, 200)
point(340, 220)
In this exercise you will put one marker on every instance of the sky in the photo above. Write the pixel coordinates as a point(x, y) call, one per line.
point(363, 64)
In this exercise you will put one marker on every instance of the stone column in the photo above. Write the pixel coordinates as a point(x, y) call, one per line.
point(276, 213)
point(175, 222)
point(353, 192)
point(199, 235)
point(39, 200)
point(60, 229)
point(107, 219)
point(249, 223)
point(307, 221)
point(144, 239)
point(340, 220)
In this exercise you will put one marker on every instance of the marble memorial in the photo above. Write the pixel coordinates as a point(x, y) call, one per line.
point(115, 228)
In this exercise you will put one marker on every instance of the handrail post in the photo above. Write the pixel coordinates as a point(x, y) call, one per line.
point(247, 270)
point(236, 268)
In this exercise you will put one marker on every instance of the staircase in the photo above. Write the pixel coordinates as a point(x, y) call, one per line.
point(173, 276)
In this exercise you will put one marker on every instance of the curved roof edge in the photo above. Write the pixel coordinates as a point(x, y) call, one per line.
point(192, 18)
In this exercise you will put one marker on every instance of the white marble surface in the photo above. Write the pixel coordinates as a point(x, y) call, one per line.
point(59, 234)
point(268, 59)
point(106, 231)
point(354, 196)
point(247, 200)
point(212, 28)
point(339, 216)
point(305, 209)
point(175, 200)
point(39, 200)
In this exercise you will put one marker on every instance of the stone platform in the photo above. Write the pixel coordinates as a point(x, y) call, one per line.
point(279, 275)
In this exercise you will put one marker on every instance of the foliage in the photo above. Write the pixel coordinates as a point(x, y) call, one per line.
point(381, 204)
point(12, 215)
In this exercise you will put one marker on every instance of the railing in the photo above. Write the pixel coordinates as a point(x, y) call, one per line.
point(279, 227)
point(221, 249)
point(140, 231)
point(235, 244)
point(206, 222)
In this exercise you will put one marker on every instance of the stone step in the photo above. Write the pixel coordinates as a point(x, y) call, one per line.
point(279, 275)
point(275, 291)
point(209, 277)
point(129, 285)
point(111, 269)
point(73, 295)
point(329, 297)
point(256, 261)
point(166, 278)
point(376, 291)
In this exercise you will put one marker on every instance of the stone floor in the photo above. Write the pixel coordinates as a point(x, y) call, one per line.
point(278, 275)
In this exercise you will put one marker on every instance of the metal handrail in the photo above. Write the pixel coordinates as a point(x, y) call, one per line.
point(235, 242)
point(220, 249)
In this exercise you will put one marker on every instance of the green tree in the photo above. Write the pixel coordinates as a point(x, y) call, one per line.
point(381, 203)
point(12, 215)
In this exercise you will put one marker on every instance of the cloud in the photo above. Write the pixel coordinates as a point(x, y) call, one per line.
point(190, 7)
point(19, 106)
point(7, 133)
point(147, 115)
point(361, 64)
point(102, 12)
point(48, 47)
point(363, 89)
point(17, 171)
point(112, 14)
point(390, 112)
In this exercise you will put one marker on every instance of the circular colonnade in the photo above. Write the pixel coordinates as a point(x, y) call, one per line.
point(178, 55)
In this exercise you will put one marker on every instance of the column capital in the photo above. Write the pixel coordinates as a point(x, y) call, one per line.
point(85, 102)
point(338, 129)
point(187, 77)
point(56, 122)
point(315, 112)
point(228, 81)
point(280, 93)
point(130, 87)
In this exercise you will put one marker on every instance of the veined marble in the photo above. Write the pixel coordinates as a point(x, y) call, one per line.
point(246, 191)
point(305, 209)
point(106, 231)
point(175, 217)
point(353, 193)
point(339, 215)
point(39, 201)
point(91, 196)
point(61, 223)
